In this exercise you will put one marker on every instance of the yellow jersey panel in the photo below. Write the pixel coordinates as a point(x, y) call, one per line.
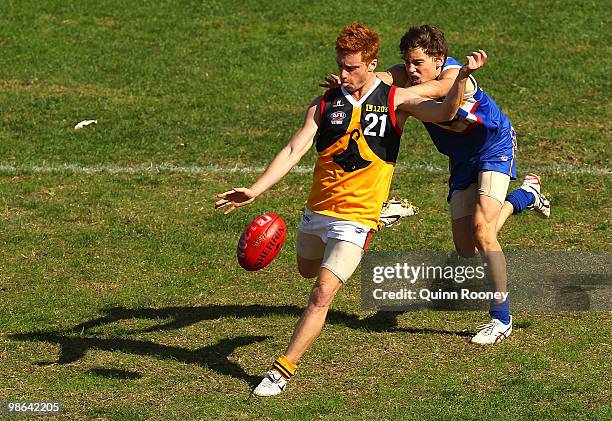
point(357, 144)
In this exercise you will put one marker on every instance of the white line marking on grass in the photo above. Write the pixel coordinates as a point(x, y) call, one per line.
point(66, 169)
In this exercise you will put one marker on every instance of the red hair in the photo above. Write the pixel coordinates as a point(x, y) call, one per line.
point(357, 38)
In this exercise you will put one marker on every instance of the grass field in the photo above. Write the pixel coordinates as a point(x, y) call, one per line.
point(119, 291)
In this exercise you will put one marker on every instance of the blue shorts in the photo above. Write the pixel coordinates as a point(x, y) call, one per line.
point(465, 172)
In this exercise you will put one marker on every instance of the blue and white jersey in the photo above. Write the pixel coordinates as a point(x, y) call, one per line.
point(478, 129)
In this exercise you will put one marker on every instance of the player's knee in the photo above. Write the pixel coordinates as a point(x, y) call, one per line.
point(485, 236)
point(322, 295)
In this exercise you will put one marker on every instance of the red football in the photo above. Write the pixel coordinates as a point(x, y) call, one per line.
point(261, 241)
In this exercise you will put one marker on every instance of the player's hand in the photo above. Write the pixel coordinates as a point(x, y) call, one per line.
point(331, 81)
point(474, 62)
point(235, 198)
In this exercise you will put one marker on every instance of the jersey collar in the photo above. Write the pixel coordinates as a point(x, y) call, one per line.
point(353, 101)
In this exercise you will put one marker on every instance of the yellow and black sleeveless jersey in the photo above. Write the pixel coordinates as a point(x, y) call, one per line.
point(358, 142)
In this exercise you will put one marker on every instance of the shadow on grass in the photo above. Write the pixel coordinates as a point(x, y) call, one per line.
point(115, 374)
point(382, 321)
point(76, 342)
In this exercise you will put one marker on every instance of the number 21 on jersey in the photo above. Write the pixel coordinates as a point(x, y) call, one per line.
point(373, 119)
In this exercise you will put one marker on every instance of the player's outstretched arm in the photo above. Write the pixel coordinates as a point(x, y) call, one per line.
point(286, 159)
point(398, 76)
point(437, 88)
point(430, 110)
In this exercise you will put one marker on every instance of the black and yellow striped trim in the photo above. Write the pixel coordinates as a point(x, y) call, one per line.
point(285, 367)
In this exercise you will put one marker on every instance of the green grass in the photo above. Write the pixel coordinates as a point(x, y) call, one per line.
point(119, 293)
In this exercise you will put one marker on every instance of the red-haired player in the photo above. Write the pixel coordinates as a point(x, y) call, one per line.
point(356, 129)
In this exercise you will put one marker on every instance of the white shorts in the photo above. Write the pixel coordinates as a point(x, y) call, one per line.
point(490, 183)
point(339, 243)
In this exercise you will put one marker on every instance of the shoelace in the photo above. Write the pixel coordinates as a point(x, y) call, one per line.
point(274, 378)
point(532, 182)
point(487, 328)
point(405, 203)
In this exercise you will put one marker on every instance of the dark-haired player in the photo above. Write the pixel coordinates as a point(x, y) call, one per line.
point(481, 145)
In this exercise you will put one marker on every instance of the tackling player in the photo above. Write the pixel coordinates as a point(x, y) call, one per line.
point(356, 129)
point(481, 145)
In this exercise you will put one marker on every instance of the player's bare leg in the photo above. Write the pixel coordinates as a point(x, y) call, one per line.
point(486, 215)
point(463, 236)
point(306, 331)
point(308, 268)
point(311, 323)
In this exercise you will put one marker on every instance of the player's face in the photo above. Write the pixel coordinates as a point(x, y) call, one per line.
point(421, 67)
point(354, 72)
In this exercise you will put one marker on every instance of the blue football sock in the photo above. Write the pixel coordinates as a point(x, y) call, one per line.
point(500, 311)
point(520, 200)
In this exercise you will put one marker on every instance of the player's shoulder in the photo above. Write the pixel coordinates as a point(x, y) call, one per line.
point(329, 93)
point(451, 63)
point(397, 75)
point(316, 106)
point(319, 103)
point(332, 93)
point(385, 77)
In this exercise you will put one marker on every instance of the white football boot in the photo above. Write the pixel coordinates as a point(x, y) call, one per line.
point(492, 332)
point(532, 184)
point(394, 210)
point(272, 384)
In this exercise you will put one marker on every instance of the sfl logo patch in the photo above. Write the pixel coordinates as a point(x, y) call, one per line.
point(337, 117)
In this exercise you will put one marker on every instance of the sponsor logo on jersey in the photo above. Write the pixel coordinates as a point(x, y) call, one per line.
point(337, 117)
point(359, 230)
point(338, 103)
point(376, 108)
point(503, 158)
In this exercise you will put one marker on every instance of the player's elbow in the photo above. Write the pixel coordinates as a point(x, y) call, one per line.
point(444, 115)
point(296, 150)
point(295, 153)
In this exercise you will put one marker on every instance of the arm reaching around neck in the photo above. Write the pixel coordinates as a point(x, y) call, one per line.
point(430, 110)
